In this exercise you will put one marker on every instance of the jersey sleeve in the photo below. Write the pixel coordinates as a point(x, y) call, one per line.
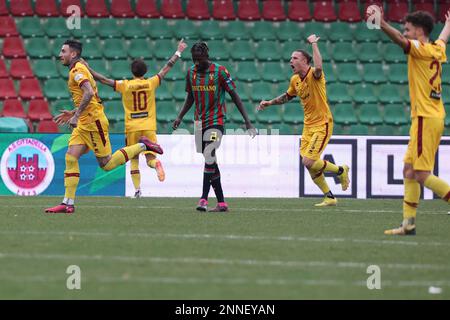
point(420, 50)
point(80, 75)
point(291, 90)
point(154, 81)
point(120, 85)
point(225, 80)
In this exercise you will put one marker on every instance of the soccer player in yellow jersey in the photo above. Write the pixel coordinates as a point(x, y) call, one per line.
point(308, 83)
point(138, 99)
point(425, 58)
point(90, 127)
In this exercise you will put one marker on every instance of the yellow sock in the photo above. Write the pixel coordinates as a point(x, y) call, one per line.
point(135, 174)
point(123, 155)
point(152, 163)
point(438, 186)
point(319, 180)
point(411, 198)
point(324, 166)
point(71, 176)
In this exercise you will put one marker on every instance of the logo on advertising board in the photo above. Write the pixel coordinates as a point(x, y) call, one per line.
point(27, 167)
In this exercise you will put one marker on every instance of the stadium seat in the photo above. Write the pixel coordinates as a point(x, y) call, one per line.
point(348, 72)
point(330, 74)
point(436, 31)
point(397, 11)
point(398, 73)
point(86, 31)
point(13, 48)
point(211, 30)
point(262, 31)
point(165, 49)
point(385, 130)
point(338, 93)
point(364, 34)
point(273, 72)
point(3, 8)
point(13, 108)
point(56, 89)
point(268, 51)
point(47, 126)
point(217, 50)
point(349, 11)
point(288, 31)
point(178, 90)
point(139, 48)
point(133, 29)
point(99, 66)
point(237, 31)
point(446, 73)
point(340, 31)
point(393, 53)
point(185, 29)
point(343, 52)
point(370, 114)
point(8, 27)
point(39, 110)
point(121, 9)
point(176, 73)
point(147, 9)
point(299, 11)
point(172, 9)
point(273, 10)
point(114, 110)
point(96, 9)
point(261, 91)
point(395, 114)
point(241, 50)
point(344, 114)
point(197, 10)
point(247, 71)
point(293, 113)
point(369, 52)
point(57, 28)
point(163, 93)
point(30, 89)
point(159, 29)
point(223, 10)
point(92, 49)
point(31, 27)
point(20, 68)
point(364, 93)
point(46, 8)
point(317, 28)
point(3, 71)
point(424, 5)
point(390, 94)
point(359, 129)
point(166, 111)
point(269, 115)
point(288, 48)
point(248, 10)
point(447, 115)
point(8, 90)
point(11, 124)
point(107, 93)
point(120, 69)
point(21, 8)
point(108, 28)
point(65, 4)
point(58, 105)
point(114, 49)
point(38, 48)
point(45, 69)
point(234, 114)
point(374, 73)
point(324, 11)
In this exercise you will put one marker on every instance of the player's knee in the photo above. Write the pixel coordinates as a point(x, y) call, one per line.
point(408, 173)
point(307, 162)
point(421, 176)
point(105, 163)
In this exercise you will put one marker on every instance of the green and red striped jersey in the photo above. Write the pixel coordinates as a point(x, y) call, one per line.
point(208, 90)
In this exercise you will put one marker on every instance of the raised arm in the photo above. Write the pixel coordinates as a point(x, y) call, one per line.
point(445, 33)
point(282, 99)
point(88, 93)
point(317, 58)
point(395, 35)
point(98, 76)
point(169, 64)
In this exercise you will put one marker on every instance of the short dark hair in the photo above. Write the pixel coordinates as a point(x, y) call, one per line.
point(75, 45)
point(305, 54)
point(202, 47)
point(421, 19)
point(138, 68)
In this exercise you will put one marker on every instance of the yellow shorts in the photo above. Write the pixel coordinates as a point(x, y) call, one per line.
point(94, 135)
point(424, 138)
point(314, 140)
point(133, 138)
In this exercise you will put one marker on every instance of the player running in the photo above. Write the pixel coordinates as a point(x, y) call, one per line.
point(206, 83)
point(138, 99)
point(90, 127)
point(425, 58)
point(308, 83)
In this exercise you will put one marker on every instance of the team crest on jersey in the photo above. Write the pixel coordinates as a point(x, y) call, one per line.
point(27, 167)
point(78, 76)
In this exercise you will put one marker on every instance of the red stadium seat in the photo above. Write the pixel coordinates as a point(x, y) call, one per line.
point(3, 71)
point(324, 11)
point(349, 11)
point(21, 8)
point(3, 8)
point(423, 5)
point(397, 11)
point(20, 68)
point(67, 3)
point(8, 27)
point(121, 9)
point(13, 48)
point(46, 8)
point(96, 8)
point(147, 9)
point(299, 11)
point(8, 90)
point(13, 108)
point(39, 110)
point(172, 9)
point(273, 10)
point(223, 10)
point(248, 10)
point(47, 126)
point(30, 89)
point(444, 6)
point(197, 10)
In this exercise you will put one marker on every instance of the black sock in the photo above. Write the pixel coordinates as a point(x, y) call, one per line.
point(207, 175)
point(330, 195)
point(340, 171)
point(217, 186)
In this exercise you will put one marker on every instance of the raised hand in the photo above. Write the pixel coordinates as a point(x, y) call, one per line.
point(181, 45)
point(313, 38)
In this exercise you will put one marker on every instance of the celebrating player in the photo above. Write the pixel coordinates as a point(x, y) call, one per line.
point(425, 60)
point(90, 127)
point(308, 83)
point(138, 98)
point(206, 83)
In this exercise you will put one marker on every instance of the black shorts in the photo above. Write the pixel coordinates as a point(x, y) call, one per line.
point(207, 136)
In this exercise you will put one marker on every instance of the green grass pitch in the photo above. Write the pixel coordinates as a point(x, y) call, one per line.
point(160, 248)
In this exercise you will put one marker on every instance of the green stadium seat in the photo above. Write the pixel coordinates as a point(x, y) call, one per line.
point(398, 73)
point(114, 49)
point(63, 71)
point(139, 48)
point(99, 65)
point(87, 30)
point(369, 52)
point(179, 90)
point(218, 50)
point(166, 111)
point(404, 130)
point(330, 75)
point(55, 48)
point(165, 49)
point(45, 69)
point(348, 72)
point(288, 48)
point(364, 93)
point(242, 50)
point(38, 48)
point(317, 28)
point(339, 130)
point(247, 71)
point(436, 31)
point(120, 69)
point(237, 30)
point(185, 29)
point(390, 94)
point(261, 91)
point(288, 31)
point(283, 128)
point(163, 93)
point(57, 28)
point(269, 115)
point(374, 73)
point(134, 29)
point(12, 124)
point(176, 73)
point(343, 52)
point(159, 29)
point(338, 93)
point(107, 93)
point(211, 30)
point(344, 114)
point(108, 28)
point(392, 53)
point(359, 129)
point(446, 73)
point(234, 114)
point(395, 114)
point(263, 31)
point(57, 105)
point(293, 112)
point(364, 34)
point(385, 38)
point(447, 114)
point(340, 31)
point(385, 130)
point(267, 51)
point(114, 110)
point(274, 72)
point(370, 114)
point(31, 27)
point(55, 89)
point(92, 49)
